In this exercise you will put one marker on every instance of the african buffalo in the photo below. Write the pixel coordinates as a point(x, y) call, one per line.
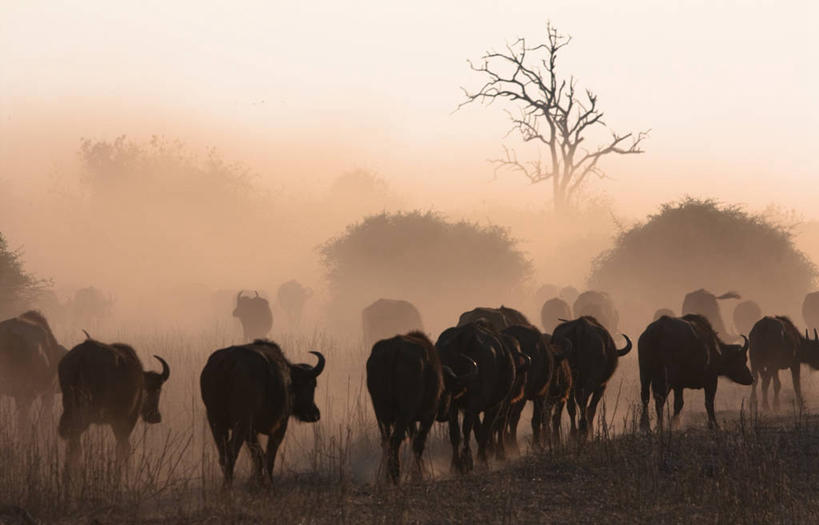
point(253, 389)
point(668, 312)
point(685, 352)
point(560, 388)
point(498, 318)
point(746, 314)
point(568, 294)
point(388, 317)
point(776, 345)
point(599, 306)
point(593, 361)
point(486, 392)
point(105, 384)
point(552, 312)
point(810, 310)
point(703, 302)
point(29, 355)
point(407, 386)
point(255, 315)
point(291, 297)
point(544, 360)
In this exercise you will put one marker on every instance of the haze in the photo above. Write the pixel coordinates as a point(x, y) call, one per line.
point(302, 93)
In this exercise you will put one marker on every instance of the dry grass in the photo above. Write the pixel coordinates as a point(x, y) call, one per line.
point(754, 470)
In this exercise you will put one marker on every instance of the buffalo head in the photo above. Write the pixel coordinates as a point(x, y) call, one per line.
point(303, 384)
point(455, 384)
point(152, 386)
point(735, 363)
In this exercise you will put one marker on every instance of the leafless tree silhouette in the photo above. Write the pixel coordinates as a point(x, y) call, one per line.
point(550, 112)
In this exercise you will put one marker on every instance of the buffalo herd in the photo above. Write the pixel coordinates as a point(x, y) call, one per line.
point(476, 377)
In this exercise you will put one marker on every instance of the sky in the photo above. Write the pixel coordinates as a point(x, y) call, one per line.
point(306, 90)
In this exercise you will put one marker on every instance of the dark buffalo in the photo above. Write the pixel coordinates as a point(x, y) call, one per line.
point(776, 345)
point(685, 352)
point(407, 386)
point(560, 388)
point(255, 315)
point(486, 392)
point(29, 355)
point(668, 312)
point(253, 389)
point(498, 318)
point(703, 302)
point(516, 395)
point(552, 312)
point(810, 310)
point(746, 314)
point(593, 361)
point(105, 384)
point(536, 379)
point(599, 306)
point(292, 296)
point(388, 317)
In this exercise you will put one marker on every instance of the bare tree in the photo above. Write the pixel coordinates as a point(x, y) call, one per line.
point(551, 113)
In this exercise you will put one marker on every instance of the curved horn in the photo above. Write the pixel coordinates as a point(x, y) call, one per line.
point(239, 295)
point(815, 335)
point(627, 348)
point(256, 292)
point(807, 337)
point(88, 337)
point(166, 370)
point(320, 365)
point(473, 367)
point(745, 343)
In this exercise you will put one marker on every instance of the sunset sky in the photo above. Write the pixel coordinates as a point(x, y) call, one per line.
point(293, 88)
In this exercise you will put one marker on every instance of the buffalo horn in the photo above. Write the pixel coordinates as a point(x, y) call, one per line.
point(745, 344)
point(166, 370)
point(89, 337)
point(320, 365)
point(815, 335)
point(256, 292)
point(239, 296)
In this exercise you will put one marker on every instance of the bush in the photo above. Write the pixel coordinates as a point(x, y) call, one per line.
point(696, 244)
point(438, 265)
point(17, 287)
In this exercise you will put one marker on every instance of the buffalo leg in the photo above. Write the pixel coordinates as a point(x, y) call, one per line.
point(237, 437)
point(537, 422)
point(393, 461)
point(221, 434)
point(557, 415)
point(797, 385)
point(122, 433)
point(755, 375)
point(710, 394)
point(592, 410)
point(257, 455)
point(455, 438)
point(273, 444)
point(660, 388)
point(777, 386)
point(678, 406)
point(571, 409)
point(419, 441)
point(469, 425)
point(514, 419)
point(582, 400)
point(766, 381)
point(492, 420)
point(645, 396)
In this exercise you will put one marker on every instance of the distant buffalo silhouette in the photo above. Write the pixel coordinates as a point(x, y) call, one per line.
point(702, 302)
point(291, 297)
point(552, 312)
point(598, 305)
point(498, 318)
point(746, 314)
point(776, 345)
point(388, 317)
point(255, 315)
